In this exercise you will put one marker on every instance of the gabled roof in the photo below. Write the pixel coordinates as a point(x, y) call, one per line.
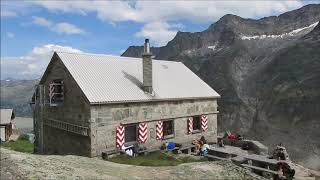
point(6, 116)
point(104, 79)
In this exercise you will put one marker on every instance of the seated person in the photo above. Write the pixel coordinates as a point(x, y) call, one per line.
point(128, 150)
point(199, 144)
point(220, 142)
point(280, 153)
point(239, 137)
point(170, 146)
point(204, 150)
point(287, 171)
point(232, 138)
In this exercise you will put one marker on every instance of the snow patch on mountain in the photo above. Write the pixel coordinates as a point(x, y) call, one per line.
point(212, 47)
point(291, 33)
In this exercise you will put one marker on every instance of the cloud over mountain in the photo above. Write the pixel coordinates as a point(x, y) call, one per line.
point(33, 64)
point(150, 13)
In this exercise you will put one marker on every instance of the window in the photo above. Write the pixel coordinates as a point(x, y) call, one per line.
point(196, 123)
point(130, 133)
point(168, 128)
point(56, 94)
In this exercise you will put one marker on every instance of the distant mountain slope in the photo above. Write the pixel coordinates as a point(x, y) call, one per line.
point(266, 70)
point(17, 94)
point(290, 86)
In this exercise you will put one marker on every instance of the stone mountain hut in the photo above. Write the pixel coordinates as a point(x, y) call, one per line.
point(7, 124)
point(85, 104)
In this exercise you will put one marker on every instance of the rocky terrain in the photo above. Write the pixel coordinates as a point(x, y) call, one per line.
point(16, 165)
point(267, 72)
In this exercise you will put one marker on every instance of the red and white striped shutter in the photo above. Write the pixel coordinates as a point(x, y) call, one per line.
point(120, 137)
point(204, 122)
point(159, 130)
point(190, 125)
point(143, 132)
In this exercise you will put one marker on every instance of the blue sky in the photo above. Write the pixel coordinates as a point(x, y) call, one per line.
point(31, 31)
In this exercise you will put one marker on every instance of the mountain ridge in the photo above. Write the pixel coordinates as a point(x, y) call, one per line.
point(259, 67)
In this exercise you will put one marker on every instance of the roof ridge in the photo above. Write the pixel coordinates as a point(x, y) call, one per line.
point(107, 55)
point(84, 53)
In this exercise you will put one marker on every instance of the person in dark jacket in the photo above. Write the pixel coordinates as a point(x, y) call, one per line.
point(287, 171)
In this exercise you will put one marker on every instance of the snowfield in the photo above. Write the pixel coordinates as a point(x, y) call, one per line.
point(291, 33)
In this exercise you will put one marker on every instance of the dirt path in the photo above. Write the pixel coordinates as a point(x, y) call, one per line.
point(16, 165)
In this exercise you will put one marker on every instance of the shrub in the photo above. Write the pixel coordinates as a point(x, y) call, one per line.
point(24, 137)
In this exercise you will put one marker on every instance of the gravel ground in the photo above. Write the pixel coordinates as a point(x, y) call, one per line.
point(17, 165)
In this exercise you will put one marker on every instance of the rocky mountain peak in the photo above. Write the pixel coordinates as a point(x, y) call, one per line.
point(266, 71)
point(227, 20)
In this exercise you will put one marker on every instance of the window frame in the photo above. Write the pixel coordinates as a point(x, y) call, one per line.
point(137, 133)
point(59, 84)
point(168, 136)
point(194, 131)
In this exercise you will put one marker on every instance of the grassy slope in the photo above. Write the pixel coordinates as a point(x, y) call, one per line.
point(155, 159)
point(20, 145)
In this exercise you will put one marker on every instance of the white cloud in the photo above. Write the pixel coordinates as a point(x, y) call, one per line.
point(166, 12)
point(159, 32)
point(33, 64)
point(61, 28)
point(14, 8)
point(146, 11)
point(66, 28)
point(41, 21)
point(8, 13)
point(10, 35)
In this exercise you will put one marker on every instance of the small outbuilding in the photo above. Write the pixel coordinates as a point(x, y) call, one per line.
point(6, 124)
point(86, 104)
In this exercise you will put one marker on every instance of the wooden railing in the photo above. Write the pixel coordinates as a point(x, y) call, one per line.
point(77, 129)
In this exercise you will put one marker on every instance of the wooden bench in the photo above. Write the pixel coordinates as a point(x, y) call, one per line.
point(259, 160)
point(216, 157)
point(147, 151)
point(175, 150)
point(106, 154)
point(238, 160)
point(263, 170)
point(188, 148)
point(221, 153)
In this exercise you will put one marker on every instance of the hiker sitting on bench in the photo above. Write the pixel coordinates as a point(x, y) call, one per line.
point(287, 171)
point(128, 150)
point(232, 138)
point(132, 149)
point(203, 150)
point(168, 146)
point(220, 142)
point(199, 144)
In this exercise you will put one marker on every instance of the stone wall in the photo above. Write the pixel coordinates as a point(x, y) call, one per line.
point(105, 119)
point(74, 110)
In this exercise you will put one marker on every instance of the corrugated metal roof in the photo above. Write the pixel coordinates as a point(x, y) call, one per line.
point(6, 115)
point(105, 78)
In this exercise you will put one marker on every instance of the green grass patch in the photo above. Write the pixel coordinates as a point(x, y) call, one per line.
point(156, 159)
point(20, 145)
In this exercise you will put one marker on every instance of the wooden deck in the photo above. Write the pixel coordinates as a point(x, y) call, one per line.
point(260, 164)
point(260, 169)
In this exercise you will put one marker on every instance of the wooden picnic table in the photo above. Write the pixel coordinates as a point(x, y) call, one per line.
point(262, 159)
